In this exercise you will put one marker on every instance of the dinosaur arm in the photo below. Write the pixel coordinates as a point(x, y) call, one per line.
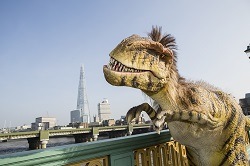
point(158, 121)
point(187, 116)
point(134, 112)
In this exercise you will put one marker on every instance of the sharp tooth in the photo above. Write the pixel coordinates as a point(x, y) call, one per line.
point(120, 69)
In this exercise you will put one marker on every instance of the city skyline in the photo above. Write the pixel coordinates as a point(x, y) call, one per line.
point(43, 43)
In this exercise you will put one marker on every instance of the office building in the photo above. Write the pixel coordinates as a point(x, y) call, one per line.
point(75, 116)
point(43, 123)
point(245, 104)
point(104, 110)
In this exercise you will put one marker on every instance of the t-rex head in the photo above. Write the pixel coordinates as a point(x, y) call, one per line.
point(142, 63)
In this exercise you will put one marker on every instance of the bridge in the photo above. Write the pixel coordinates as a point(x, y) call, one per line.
point(39, 139)
point(124, 151)
point(135, 150)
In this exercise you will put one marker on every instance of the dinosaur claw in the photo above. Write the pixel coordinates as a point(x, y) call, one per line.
point(160, 114)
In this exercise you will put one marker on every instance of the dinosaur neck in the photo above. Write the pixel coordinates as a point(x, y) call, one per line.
point(169, 96)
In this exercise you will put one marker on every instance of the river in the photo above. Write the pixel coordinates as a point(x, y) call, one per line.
point(20, 145)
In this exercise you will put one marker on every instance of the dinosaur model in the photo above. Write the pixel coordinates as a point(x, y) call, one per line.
point(206, 120)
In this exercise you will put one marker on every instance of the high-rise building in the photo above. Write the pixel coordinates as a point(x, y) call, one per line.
point(104, 110)
point(245, 104)
point(75, 116)
point(83, 113)
point(43, 123)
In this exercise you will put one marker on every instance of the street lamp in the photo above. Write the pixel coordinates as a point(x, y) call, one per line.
point(247, 51)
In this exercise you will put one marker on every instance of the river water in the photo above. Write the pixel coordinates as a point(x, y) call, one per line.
point(20, 145)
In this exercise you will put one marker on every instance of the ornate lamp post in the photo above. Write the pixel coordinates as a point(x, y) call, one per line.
point(247, 51)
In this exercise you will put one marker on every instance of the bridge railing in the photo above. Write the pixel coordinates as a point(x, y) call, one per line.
point(139, 150)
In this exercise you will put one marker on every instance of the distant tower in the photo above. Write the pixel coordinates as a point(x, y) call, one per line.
point(104, 110)
point(82, 100)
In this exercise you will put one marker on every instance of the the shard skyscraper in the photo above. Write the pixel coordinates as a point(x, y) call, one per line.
point(82, 100)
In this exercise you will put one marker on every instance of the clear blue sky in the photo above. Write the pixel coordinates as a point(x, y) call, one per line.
point(44, 42)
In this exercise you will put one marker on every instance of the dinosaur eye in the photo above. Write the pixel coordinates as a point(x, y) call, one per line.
point(162, 57)
point(165, 58)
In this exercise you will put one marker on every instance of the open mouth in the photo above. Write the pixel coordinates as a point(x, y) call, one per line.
point(119, 67)
point(118, 74)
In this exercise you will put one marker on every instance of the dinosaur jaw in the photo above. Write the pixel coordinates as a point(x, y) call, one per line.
point(115, 65)
point(118, 74)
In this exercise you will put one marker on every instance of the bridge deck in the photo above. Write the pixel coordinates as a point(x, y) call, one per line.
point(51, 133)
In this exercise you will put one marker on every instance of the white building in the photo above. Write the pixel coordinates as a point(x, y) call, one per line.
point(43, 123)
point(23, 127)
point(104, 110)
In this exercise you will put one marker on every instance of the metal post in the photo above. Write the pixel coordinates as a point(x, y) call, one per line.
point(130, 129)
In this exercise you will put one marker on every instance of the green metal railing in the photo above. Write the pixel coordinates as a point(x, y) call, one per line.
point(149, 149)
point(115, 152)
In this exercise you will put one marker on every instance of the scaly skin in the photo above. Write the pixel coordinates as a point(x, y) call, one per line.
point(206, 120)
